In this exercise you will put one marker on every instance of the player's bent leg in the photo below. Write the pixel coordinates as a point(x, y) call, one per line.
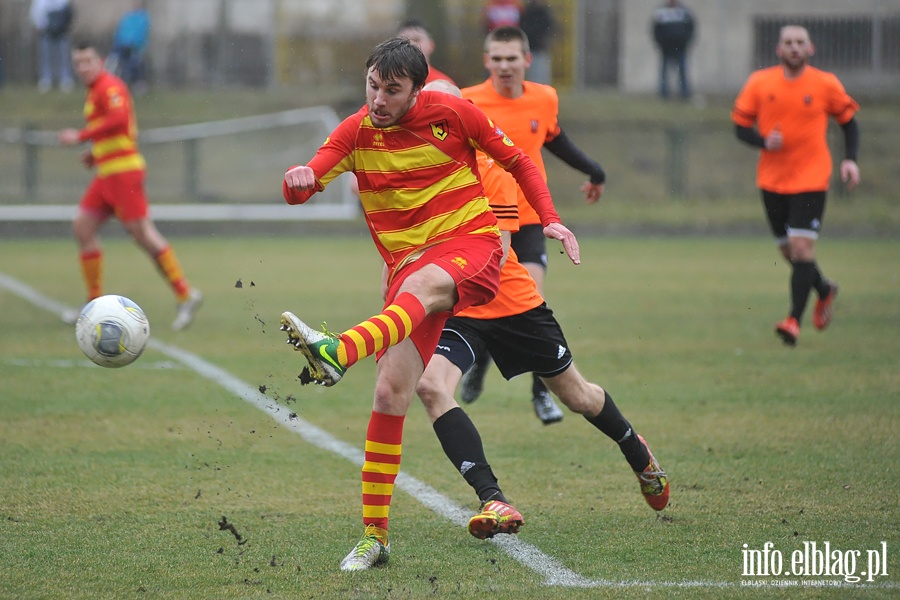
point(575, 392)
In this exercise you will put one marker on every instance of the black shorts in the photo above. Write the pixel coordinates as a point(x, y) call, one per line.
point(797, 215)
point(532, 342)
point(530, 244)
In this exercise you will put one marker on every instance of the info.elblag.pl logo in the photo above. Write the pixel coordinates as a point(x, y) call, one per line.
point(814, 560)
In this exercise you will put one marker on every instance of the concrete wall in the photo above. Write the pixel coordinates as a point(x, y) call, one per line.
point(722, 55)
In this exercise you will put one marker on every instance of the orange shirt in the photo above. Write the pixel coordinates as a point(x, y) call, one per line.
point(111, 126)
point(518, 292)
point(799, 108)
point(529, 121)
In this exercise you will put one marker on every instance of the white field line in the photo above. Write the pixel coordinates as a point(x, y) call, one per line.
point(554, 572)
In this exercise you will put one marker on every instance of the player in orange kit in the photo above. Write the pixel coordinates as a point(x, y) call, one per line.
point(784, 111)
point(527, 113)
point(118, 186)
point(521, 333)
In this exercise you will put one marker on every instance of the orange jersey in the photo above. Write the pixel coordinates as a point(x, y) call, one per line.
point(111, 126)
point(529, 121)
point(799, 108)
point(518, 292)
point(418, 179)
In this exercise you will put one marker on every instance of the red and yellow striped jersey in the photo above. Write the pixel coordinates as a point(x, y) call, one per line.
point(111, 126)
point(418, 179)
point(800, 108)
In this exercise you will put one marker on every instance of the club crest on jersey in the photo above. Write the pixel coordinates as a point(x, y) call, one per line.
point(807, 100)
point(534, 125)
point(499, 132)
point(440, 130)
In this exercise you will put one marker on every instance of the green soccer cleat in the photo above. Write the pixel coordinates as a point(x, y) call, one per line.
point(319, 349)
point(369, 552)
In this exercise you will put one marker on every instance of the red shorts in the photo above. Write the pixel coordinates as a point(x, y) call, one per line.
point(474, 263)
point(121, 194)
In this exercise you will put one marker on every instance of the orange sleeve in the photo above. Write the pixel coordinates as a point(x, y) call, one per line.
point(745, 105)
point(840, 105)
point(500, 189)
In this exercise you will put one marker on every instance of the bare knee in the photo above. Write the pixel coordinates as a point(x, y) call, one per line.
point(579, 395)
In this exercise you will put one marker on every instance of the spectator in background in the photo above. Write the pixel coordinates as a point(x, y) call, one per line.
point(53, 20)
point(129, 44)
point(539, 26)
point(673, 31)
point(501, 13)
point(416, 32)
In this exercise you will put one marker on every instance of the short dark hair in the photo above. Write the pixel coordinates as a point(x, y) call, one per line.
point(397, 57)
point(508, 34)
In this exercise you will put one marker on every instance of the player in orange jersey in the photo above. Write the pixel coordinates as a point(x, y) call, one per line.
point(784, 111)
point(527, 112)
point(521, 333)
point(414, 156)
point(118, 185)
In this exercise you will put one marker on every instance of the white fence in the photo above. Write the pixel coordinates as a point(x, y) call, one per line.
point(226, 170)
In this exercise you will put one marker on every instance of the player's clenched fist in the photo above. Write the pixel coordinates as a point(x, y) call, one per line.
point(300, 178)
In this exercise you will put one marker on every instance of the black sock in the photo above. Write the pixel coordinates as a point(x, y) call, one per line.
point(462, 445)
point(537, 386)
point(802, 277)
point(820, 284)
point(611, 422)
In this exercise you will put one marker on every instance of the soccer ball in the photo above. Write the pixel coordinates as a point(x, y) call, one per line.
point(112, 331)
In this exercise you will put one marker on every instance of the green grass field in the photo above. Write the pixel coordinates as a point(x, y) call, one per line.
point(113, 483)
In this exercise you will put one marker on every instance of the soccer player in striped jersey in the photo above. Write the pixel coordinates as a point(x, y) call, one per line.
point(783, 111)
point(118, 186)
point(414, 156)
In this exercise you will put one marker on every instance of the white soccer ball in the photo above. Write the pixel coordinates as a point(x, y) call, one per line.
point(112, 331)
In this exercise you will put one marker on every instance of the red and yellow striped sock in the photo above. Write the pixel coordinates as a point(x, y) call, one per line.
point(92, 273)
point(171, 269)
point(383, 443)
point(391, 327)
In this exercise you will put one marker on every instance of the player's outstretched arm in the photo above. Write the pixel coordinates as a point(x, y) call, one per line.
point(301, 178)
point(558, 231)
